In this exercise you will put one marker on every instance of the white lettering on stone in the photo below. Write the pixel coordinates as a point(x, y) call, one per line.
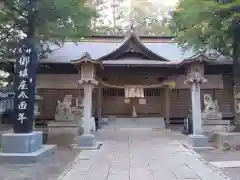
point(22, 105)
point(22, 95)
point(24, 60)
point(23, 85)
point(20, 50)
point(28, 51)
point(23, 73)
point(21, 117)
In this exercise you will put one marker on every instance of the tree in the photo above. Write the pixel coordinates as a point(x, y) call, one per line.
point(116, 16)
point(204, 25)
point(211, 25)
point(147, 17)
point(53, 21)
point(27, 27)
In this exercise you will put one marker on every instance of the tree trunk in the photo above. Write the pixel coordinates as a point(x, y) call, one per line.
point(236, 77)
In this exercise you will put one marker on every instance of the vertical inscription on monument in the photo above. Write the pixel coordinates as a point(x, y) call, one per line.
point(25, 86)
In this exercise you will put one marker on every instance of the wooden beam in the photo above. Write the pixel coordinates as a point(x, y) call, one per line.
point(167, 106)
point(99, 105)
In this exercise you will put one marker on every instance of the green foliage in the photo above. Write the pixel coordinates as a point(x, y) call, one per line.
point(205, 24)
point(146, 15)
point(45, 20)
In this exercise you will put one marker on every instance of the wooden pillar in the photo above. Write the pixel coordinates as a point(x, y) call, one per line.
point(99, 105)
point(167, 106)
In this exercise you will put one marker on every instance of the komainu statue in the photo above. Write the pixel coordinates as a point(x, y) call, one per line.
point(237, 104)
point(64, 109)
point(211, 109)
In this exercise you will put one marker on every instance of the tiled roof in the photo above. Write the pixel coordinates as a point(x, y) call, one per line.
point(72, 51)
point(160, 48)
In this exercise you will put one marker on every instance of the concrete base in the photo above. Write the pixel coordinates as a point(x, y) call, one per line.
point(22, 143)
point(26, 158)
point(198, 142)
point(24, 148)
point(86, 141)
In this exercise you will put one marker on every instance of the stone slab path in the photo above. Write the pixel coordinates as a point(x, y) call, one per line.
point(140, 154)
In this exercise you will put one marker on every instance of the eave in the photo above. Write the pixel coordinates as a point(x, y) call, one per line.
point(132, 44)
point(86, 58)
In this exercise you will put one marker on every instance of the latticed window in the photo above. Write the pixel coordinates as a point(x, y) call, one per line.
point(152, 92)
point(113, 92)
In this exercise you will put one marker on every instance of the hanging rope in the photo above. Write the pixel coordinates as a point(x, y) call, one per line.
point(171, 84)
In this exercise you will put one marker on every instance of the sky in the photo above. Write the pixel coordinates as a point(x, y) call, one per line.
point(107, 13)
point(166, 2)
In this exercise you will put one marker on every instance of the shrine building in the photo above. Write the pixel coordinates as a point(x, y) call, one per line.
point(132, 76)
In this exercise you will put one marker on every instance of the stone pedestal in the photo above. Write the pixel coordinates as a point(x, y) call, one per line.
point(62, 116)
point(212, 117)
point(24, 148)
point(214, 126)
point(226, 141)
point(198, 141)
point(87, 140)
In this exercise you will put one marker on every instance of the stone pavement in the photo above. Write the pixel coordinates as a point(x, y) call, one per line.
point(140, 154)
point(228, 161)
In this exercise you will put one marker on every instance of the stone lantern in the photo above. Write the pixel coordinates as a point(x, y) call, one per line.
point(87, 74)
point(195, 77)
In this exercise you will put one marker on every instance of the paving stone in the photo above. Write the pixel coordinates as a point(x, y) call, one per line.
point(142, 155)
point(184, 172)
point(226, 164)
point(164, 175)
point(118, 176)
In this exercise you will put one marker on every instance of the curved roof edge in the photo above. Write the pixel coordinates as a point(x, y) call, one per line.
point(131, 36)
point(86, 57)
point(203, 58)
point(122, 37)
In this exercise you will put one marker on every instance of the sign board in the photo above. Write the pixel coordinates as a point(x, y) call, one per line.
point(24, 86)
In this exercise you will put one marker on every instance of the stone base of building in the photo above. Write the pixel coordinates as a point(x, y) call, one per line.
point(24, 148)
point(87, 142)
point(198, 142)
